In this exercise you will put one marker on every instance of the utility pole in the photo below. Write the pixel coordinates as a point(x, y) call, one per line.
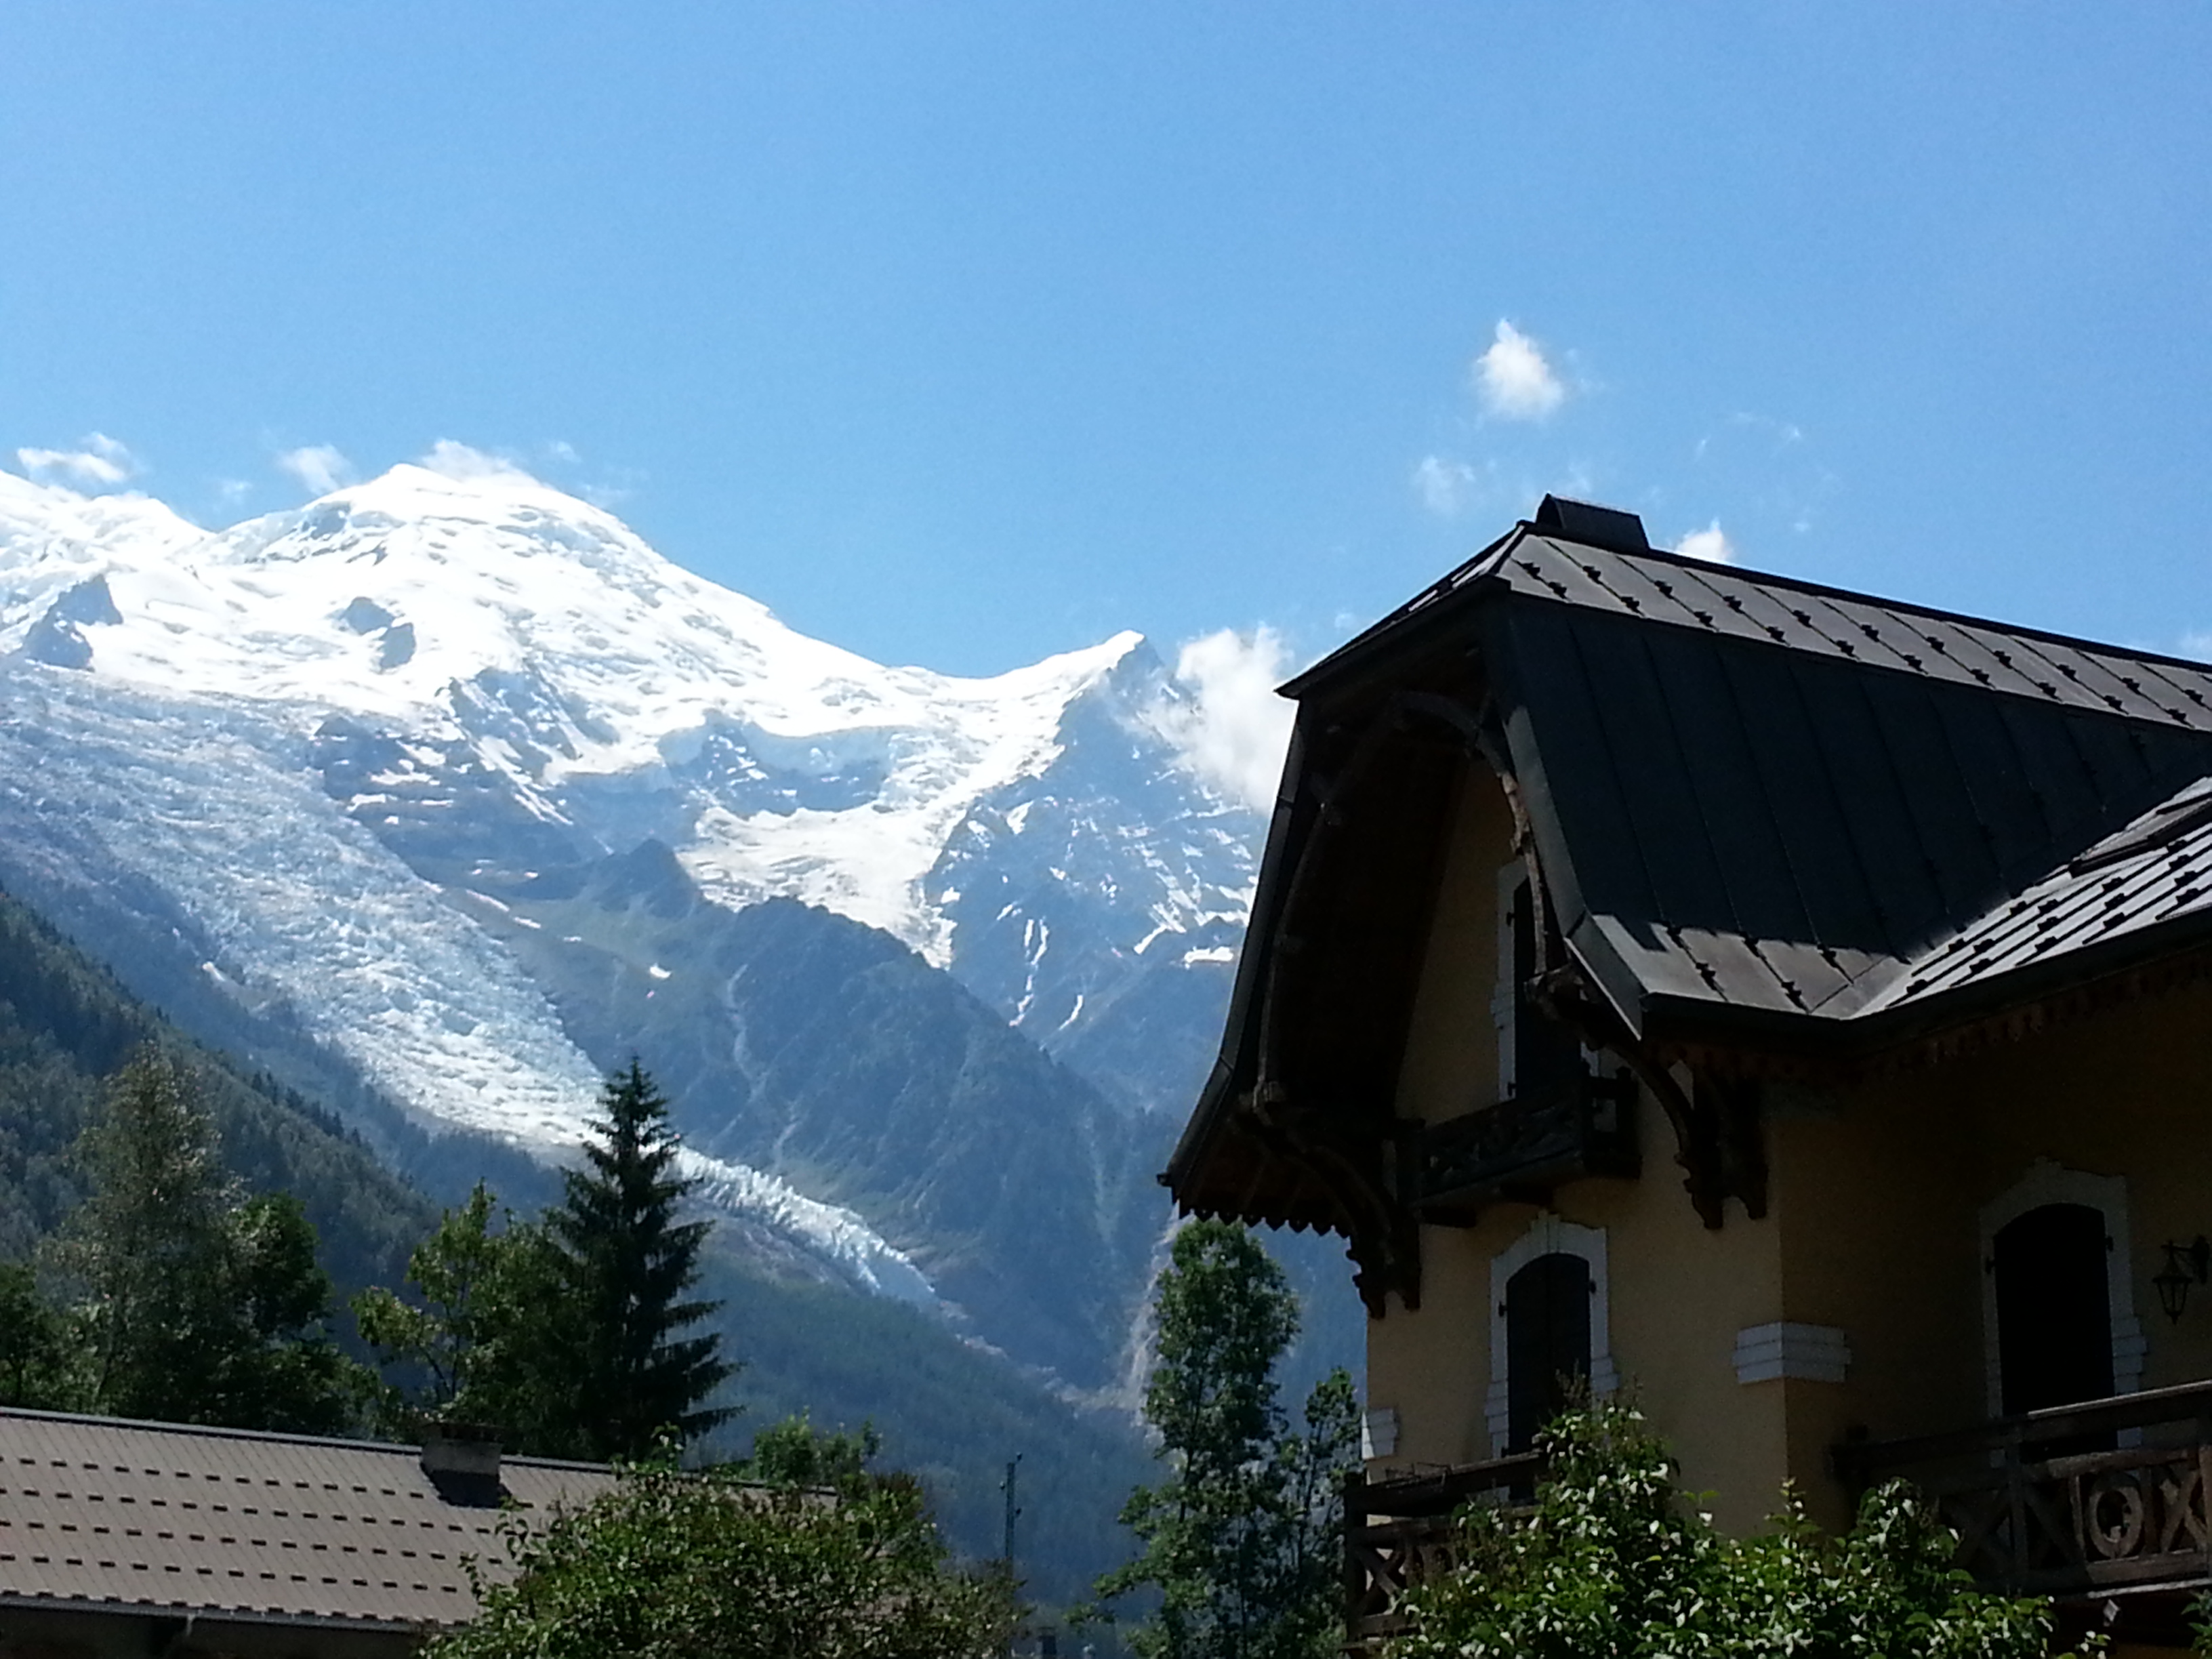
point(1013, 1510)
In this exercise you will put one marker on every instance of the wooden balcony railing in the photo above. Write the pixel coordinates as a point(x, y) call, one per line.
point(2057, 1502)
point(1526, 1146)
point(1398, 1533)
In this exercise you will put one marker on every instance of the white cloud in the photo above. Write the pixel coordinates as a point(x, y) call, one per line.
point(231, 491)
point(460, 462)
point(1514, 380)
point(98, 460)
point(1445, 487)
point(321, 467)
point(1708, 543)
point(2198, 646)
point(1231, 727)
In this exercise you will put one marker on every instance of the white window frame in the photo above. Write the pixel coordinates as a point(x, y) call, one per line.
point(2048, 1182)
point(1547, 1236)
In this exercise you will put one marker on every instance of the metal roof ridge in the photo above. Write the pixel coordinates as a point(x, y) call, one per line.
point(1444, 588)
point(328, 1442)
point(1909, 607)
point(211, 1430)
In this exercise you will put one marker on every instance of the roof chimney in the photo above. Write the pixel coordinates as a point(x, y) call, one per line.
point(462, 1459)
point(1594, 526)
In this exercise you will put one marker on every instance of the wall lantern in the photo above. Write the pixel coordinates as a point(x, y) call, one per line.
point(2185, 1264)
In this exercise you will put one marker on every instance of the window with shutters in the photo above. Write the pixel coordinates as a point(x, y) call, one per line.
point(2059, 1313)
point(1548, 1328)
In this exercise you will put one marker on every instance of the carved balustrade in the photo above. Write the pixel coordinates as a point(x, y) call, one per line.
point(1525, 1146)
point(1398, 1532)
point(2057, 1503)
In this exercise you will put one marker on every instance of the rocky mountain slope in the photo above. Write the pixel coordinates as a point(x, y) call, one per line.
point(460, 785)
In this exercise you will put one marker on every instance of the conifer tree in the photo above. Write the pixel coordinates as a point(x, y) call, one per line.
point(625, 1262)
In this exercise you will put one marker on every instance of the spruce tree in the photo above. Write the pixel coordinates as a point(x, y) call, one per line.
point(625, 1262)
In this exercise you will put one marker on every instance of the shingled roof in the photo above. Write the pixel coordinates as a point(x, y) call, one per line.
point(1765, 812)
point(157, 1518)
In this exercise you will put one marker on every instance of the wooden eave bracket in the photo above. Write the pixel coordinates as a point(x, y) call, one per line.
point(1719, 1140)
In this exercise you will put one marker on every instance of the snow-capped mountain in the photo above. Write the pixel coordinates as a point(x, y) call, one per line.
point(356, 758)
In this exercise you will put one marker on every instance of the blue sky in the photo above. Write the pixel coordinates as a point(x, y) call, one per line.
point(960, 333)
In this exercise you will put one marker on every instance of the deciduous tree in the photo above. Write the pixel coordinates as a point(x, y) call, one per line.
point(194, 1303)
point(1242, 1539)
point(40, 1361)
point(482, 1339)
point(735, 1565)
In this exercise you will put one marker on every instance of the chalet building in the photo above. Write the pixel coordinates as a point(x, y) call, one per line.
point(149, 1539)
point(1788, 1004)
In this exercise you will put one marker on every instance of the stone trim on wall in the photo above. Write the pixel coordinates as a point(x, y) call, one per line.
point(1808, 1353)
point(1378, 1433)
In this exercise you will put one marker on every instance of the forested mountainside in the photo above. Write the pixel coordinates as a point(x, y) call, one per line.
point(947, 1411)
point(66, 1025)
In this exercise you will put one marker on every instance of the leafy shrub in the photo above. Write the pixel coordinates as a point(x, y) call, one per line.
point(725, 1566)
point(1613, 1564)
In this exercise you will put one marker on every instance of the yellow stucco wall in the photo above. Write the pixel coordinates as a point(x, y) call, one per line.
point(1451, 1048)
point(1874, 1224)
point(1678, 1292)
point(1881, 1190)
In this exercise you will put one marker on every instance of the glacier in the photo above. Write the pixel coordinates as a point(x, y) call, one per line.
point(345, 739)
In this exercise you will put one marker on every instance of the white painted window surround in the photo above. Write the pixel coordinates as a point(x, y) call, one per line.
point(1547, 1236)
point(2047, 1182)
point(1808, 1353)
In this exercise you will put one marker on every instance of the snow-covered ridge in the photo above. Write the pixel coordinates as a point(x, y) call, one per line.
point(560, 646)
point(377, 767)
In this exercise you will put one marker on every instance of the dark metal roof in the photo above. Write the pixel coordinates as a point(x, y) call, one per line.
point(158, 1516)
point(1767, 794)
point(1766, 812)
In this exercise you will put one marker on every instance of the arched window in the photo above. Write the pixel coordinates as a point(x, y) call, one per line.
point(1548, 1327)
point(2058, 1317)
point(2054, 1308)
point(1548, 1343)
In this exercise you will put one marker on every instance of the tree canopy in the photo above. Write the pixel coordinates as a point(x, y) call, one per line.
point(183, 1299)
point(1242, 1538)
point(743, 1563)
point(566, 1333)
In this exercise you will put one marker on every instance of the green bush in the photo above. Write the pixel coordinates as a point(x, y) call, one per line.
point(734, 1564)
point(1613, 1564)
